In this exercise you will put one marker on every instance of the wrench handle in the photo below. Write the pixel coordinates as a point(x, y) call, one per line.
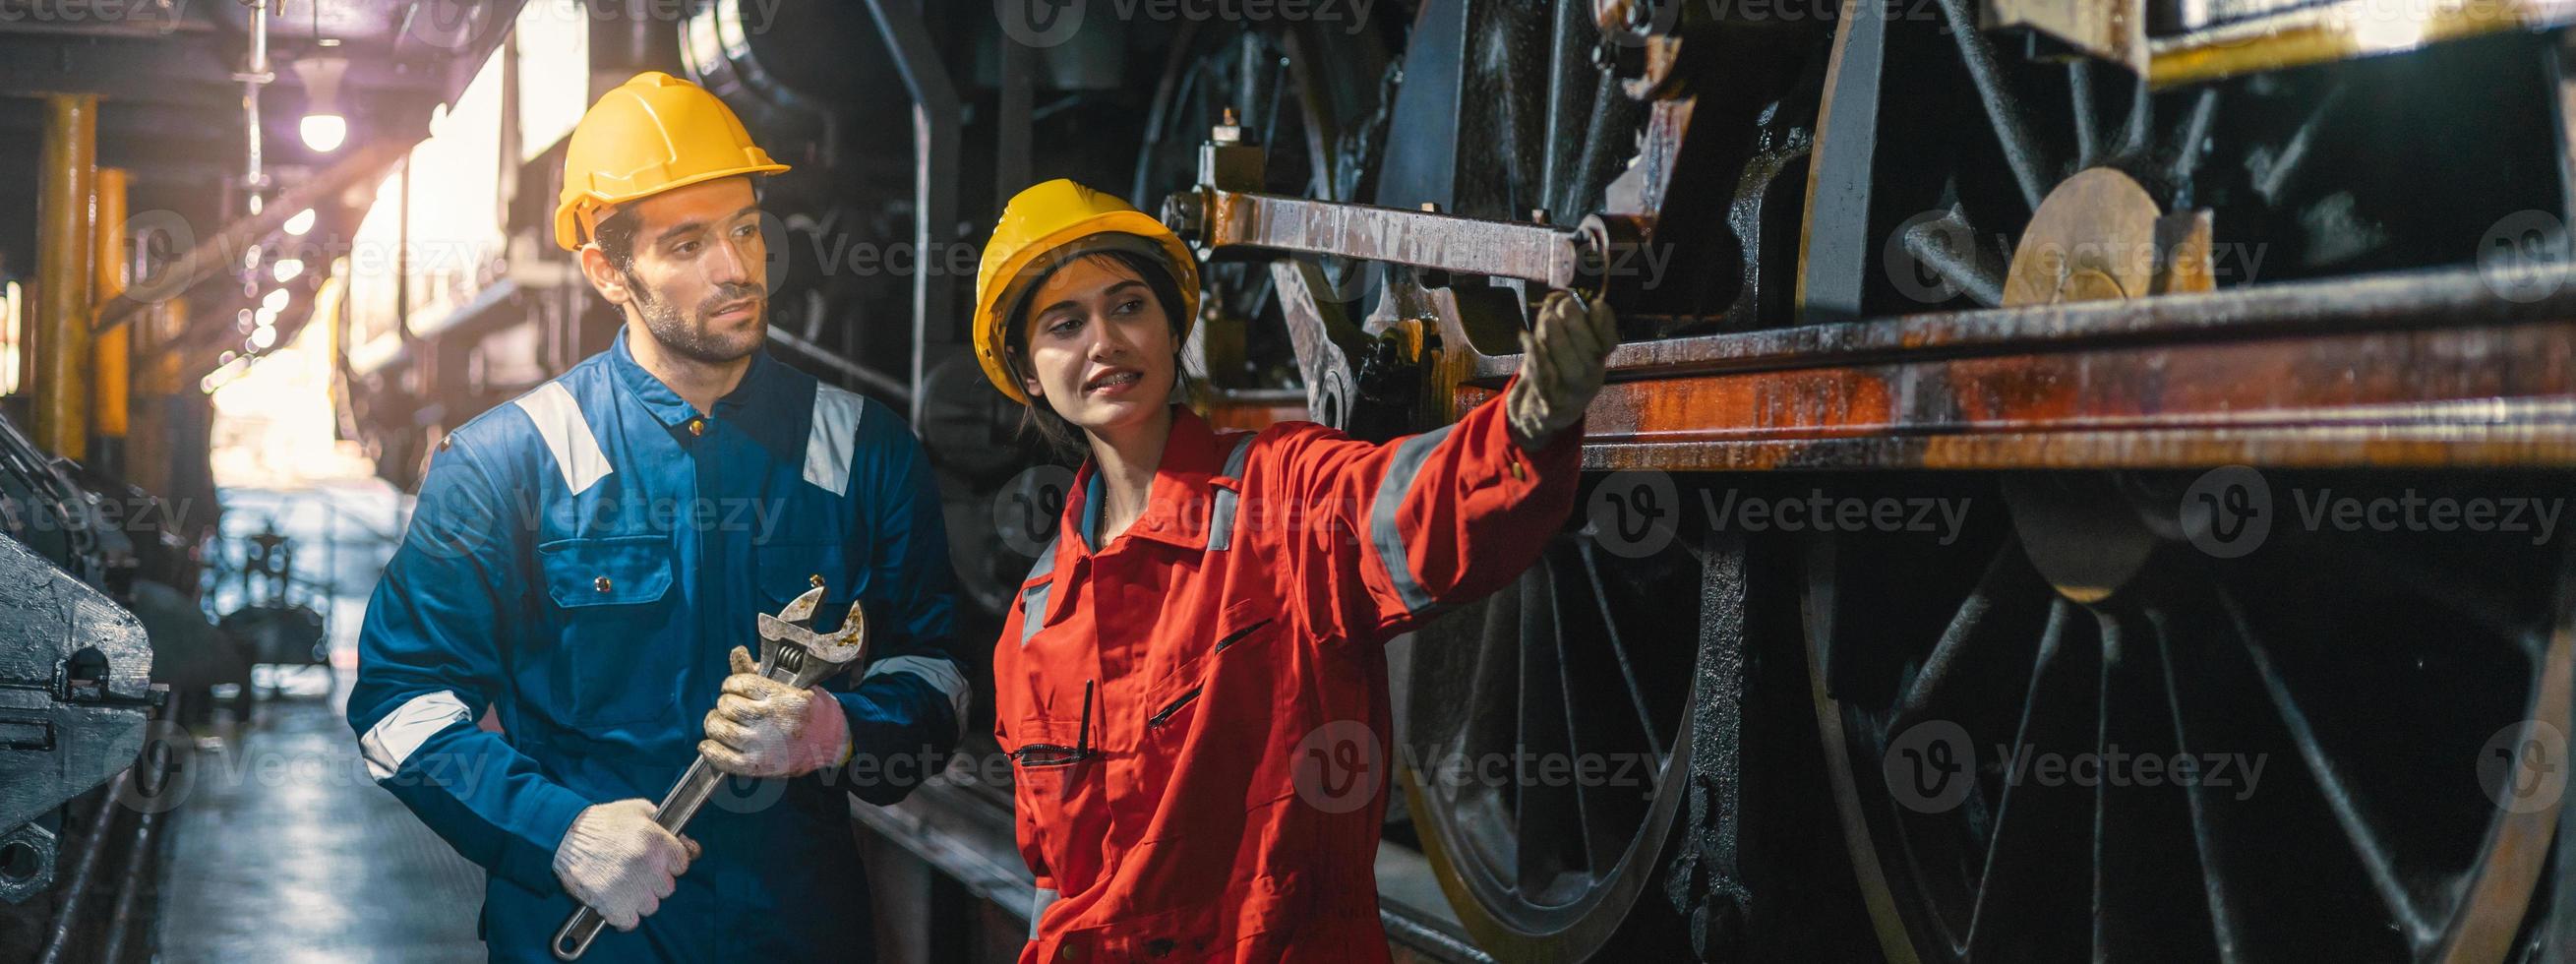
point(682, 803)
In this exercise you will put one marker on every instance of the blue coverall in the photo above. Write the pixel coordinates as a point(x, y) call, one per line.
point(580, 561)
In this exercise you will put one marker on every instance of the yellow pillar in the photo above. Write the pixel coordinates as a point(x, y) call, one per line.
point(109, 390)
point(63, 252)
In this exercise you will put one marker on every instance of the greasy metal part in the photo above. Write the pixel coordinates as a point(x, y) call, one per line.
point(2319, 33)
point(74, 686)
point(797, 656)
point(1324, 338)
point(63, 249)
point(1708, 880)
point(77, 890)
point(1550, 255)
point(935, 152)
point(32, 846)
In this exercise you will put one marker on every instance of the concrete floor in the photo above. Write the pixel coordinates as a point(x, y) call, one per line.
point(285, 851)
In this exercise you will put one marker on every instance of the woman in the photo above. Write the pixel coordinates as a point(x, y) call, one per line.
point(1190, 685)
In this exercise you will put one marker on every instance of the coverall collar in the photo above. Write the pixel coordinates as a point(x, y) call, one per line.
point(1177, 503)
point(666, 405)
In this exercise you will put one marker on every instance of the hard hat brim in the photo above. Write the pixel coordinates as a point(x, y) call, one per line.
point(568, 228)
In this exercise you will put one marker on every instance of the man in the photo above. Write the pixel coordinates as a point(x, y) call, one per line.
point(588, 562)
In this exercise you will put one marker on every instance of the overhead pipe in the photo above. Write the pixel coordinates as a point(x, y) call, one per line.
point(934, 181)
point(63, 251)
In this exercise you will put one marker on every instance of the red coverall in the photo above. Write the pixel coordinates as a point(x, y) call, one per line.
point(1198, 710)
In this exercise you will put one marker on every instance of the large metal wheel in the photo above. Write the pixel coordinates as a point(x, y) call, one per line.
point(2373, 779)
point(1548, 741)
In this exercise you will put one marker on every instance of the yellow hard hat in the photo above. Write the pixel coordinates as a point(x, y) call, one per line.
point(1046, 226)
point(653, 133)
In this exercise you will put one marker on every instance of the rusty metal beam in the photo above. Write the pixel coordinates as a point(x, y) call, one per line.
point(63, 251)
point(2417, 299)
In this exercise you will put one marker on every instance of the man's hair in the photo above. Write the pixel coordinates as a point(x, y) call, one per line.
point(1062, 438)
point(616, 237)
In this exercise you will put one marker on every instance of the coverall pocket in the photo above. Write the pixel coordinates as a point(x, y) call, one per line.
point(612, 595)
point(1050, 760)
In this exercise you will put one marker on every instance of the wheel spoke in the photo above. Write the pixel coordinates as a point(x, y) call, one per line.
point(2141, 124)
point(2359, 829)
point(2003, 109)
point(2088, 136)
point(1978, 276)
point(1619, 651)
point(1981, 926)
point(2186, 161)
point(1542, 814)
point(2224, 919)
point(1976, 621)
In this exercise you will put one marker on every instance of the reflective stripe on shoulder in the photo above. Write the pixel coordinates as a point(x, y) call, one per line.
point(941, 674)
point(400, 733)
point(1221, 517)
point(1384, 534)
point(1033, 600)
point(833, 438)
point(559, 421)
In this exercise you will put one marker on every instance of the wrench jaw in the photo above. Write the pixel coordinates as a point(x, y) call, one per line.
point(805, 655)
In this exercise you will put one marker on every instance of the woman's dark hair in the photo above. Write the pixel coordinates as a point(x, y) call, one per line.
point(1062, 437)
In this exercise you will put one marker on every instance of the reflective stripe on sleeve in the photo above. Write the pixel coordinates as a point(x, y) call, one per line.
point(1384, 535)
point(400, 733)
point(941, 674)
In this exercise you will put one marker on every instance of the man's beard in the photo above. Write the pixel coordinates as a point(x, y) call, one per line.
point(686, 335)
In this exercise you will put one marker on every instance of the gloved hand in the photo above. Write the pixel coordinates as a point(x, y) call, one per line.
point(764, 728)
point(617, 861)
point(1561, 367)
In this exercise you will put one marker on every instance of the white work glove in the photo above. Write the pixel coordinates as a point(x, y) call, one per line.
point(1562, 360)
point(618, 862)
point(764, 728)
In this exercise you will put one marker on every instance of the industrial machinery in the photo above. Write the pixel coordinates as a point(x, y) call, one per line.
point(2050, 339)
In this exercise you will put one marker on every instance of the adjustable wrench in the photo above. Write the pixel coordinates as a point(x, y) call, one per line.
point(797, 656)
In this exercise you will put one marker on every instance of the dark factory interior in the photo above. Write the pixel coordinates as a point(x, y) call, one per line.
point(1907, 481)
